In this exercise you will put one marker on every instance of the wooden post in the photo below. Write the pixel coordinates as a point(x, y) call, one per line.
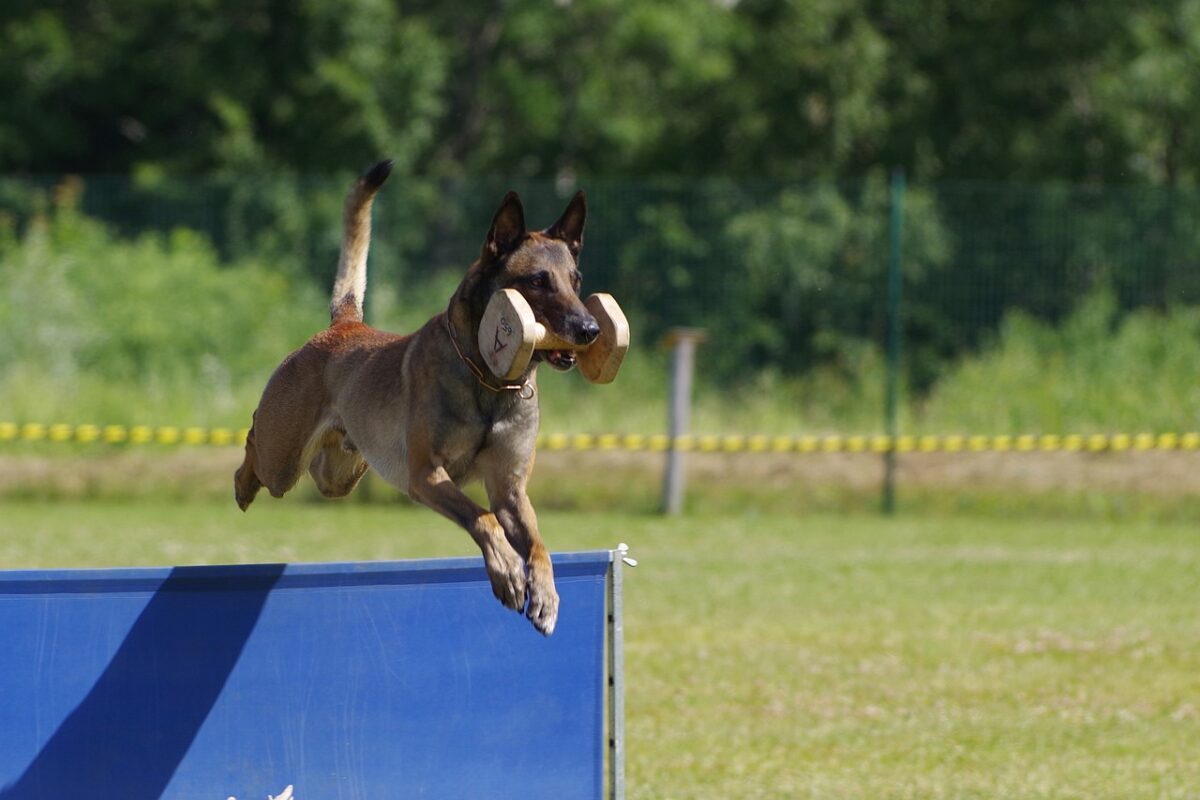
point(682, 342)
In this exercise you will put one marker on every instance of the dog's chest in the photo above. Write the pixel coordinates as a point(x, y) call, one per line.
point(510, 433)
point(506, 440)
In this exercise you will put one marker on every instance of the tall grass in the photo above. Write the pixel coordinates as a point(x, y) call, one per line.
point(152, 329)
point(157, 330)
point(1097, 371)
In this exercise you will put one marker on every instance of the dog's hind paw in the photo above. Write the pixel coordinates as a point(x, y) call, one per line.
point(245, 487)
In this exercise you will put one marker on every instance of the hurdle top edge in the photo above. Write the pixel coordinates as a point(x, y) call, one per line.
point(264, 576)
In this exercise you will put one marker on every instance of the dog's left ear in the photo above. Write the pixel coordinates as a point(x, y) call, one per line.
point(569, 227)
point(508, 226)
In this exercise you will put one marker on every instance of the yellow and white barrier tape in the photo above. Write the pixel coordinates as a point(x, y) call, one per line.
point(953, 443)
point(119, 434)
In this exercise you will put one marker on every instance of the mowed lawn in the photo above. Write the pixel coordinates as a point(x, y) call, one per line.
point(813, 656)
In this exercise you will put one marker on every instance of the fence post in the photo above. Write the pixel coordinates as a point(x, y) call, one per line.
point(894, 292)
point(682, 342)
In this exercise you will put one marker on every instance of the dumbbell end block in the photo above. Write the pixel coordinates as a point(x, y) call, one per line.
point(507, 334)
point(602, 359)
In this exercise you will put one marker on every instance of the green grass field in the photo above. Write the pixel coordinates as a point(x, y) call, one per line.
point(810, 656)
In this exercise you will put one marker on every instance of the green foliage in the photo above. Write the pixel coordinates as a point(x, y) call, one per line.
point(158, 328)
point(758, 132)
point(810, 262)
point(949, 89)
point(1148, 90)
point(1096, 372)
point(215, 85)
point(149, 329)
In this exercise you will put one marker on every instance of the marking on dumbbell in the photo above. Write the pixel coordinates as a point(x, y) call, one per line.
point(506, 326)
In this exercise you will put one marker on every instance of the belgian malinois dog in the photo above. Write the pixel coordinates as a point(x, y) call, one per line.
point(422, 409)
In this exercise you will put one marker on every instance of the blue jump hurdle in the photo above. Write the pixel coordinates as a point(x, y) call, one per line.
point(361, 680)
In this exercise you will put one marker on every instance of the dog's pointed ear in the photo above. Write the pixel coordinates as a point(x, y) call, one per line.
point(569, 227)
point(508, 226)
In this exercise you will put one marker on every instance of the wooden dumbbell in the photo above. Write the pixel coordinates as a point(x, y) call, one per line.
point(508, 335)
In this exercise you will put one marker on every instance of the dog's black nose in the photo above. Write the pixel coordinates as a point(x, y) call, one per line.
point(589, 329)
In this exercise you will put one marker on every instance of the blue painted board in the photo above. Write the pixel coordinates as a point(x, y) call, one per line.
point(370, 680)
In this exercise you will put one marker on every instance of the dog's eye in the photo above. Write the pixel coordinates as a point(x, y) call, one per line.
point(540, 281)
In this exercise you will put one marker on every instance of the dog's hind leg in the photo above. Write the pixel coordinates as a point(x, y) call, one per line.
point(245, 480)
point(276, 467)
point(337, 467)
point(285, 433)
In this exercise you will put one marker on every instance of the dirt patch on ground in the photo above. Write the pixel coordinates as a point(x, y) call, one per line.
point(209, 471)
point(120, 472)
point(1150, 472)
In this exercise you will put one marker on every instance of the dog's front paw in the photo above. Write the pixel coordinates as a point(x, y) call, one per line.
point(506, 571)
point(543, 600)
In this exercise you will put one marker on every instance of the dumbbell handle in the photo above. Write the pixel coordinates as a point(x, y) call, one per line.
point(545, 340)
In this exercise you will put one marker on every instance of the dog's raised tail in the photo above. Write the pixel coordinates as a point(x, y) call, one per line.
point(346, 304)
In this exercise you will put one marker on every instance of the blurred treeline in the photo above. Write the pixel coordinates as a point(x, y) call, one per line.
point(1012, 90)
point(736, 154)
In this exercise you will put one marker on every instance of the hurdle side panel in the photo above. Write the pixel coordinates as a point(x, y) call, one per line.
point(344, 680)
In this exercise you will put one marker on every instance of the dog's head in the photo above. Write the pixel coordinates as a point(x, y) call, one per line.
point(544, 267)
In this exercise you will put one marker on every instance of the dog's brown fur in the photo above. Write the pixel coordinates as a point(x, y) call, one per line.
point(411, 408)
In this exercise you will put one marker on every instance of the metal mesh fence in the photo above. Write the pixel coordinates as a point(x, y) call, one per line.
point(787, 278)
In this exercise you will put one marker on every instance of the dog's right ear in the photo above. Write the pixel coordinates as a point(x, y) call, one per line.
point(569, 227)
point(508, 226)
